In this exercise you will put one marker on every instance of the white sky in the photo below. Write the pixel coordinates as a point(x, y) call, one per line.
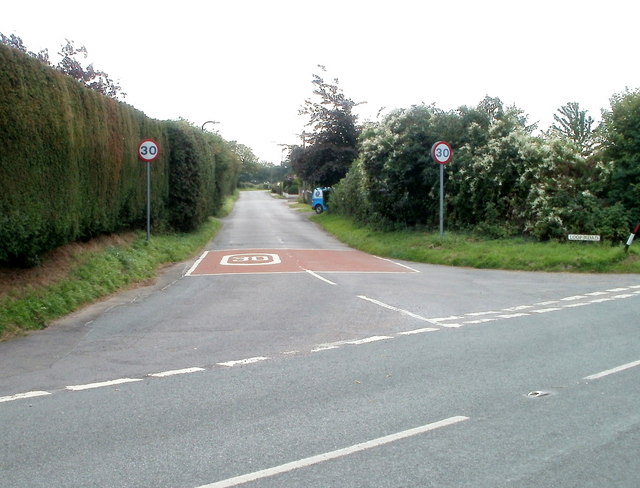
point(249, 63)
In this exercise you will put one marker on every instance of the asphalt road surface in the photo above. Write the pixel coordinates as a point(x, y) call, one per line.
point(281, 358)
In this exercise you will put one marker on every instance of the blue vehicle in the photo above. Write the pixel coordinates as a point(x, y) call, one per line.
point(319, 199)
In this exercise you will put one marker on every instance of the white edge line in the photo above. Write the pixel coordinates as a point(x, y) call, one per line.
point(316, 275)
point(88, 386)
point(20, 396)
point(195, 265)
point(175, 372)
point(612, 371)
point(328, 456)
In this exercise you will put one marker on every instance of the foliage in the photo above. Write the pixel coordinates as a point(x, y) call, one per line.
point(463, 249)
point(95, 275)
point(69, 168)
point(621, 128)
point(574, 124)
point(70, 65)
point(331, 147)
point(503, 181)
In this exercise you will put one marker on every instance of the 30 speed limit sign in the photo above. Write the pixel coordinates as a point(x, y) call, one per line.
point(442, 152)
point(148, 150)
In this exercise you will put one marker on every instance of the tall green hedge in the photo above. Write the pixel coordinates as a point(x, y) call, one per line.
point(69, 168)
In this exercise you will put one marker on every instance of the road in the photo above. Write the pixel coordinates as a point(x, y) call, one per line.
point(320, 373)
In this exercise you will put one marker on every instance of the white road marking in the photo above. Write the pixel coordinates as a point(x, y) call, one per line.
point(389, 307)
point(102, 384)
point(600, 300)
point(617, 289)
point(195, 265)
point(545, 310)
point(324, 348)
point(328, 456)
point(612, 371)
point(550, 302)
point(512, 315)
point(418, 331)
point(242, 362)
point(176, 372)
point(481, 321)
point(20, 396)
point(367, 340)
point(316, 275)
point(398, 264)
point(575, 297)
point(478, 314)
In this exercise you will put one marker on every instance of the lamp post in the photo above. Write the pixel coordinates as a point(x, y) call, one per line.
point(209, 122)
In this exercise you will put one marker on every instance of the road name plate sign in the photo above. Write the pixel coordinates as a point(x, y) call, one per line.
point(583, 237)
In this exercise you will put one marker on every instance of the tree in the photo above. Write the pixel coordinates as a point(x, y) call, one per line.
point(621, 132)
point(17, 43)
point(95, 79)
point(575, 125)
point(70, 65)
point(330, 148)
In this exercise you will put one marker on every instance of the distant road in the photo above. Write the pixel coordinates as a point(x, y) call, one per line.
point(281, 358)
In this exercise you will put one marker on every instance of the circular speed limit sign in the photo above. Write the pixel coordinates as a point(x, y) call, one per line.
point(442, 152)
point(148, 150)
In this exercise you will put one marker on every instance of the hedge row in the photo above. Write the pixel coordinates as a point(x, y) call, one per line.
point(69, 168)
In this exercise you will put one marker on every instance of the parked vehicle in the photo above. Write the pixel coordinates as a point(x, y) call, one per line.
point(320, 198)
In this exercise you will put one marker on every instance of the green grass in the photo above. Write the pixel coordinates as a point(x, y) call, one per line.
point(454, 249)
point(95, 275)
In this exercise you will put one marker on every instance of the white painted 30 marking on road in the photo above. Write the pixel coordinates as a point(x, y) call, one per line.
point(329, 456)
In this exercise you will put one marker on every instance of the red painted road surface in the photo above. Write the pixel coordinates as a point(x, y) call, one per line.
point(291, 261)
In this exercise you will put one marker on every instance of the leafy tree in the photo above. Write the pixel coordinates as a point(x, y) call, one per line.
point(575, 125)
point(621, 130)
point(95, 79)
point(331, 146)
point(70, 65)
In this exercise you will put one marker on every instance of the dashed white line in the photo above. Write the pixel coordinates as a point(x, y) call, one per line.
point(612, 371)
point(545, 310)
point(102, 384)
point(328, 456)
point(21, 396)
point(418, 331)
point(367, 340)
point(176, 372)
point(242, 362)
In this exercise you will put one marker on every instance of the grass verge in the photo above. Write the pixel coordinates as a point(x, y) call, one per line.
point(454, 249)
point(90, 275)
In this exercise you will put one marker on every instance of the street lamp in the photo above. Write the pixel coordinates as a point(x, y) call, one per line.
point(209, 122)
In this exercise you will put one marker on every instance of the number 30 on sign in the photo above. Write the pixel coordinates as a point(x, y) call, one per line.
point(148, 150)
point(442, 152)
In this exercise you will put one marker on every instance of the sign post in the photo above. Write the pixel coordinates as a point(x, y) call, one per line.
point(148, 150)
point(441, 153)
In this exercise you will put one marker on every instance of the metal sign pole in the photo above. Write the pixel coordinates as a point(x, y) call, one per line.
point(148, 200)
point(441, 200)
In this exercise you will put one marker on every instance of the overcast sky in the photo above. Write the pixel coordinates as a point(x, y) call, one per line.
point(248, 64)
